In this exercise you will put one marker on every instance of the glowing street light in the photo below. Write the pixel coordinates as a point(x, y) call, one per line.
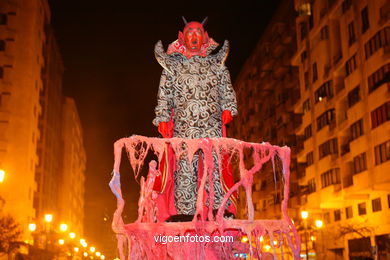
point(98, 254)
point(32, 227)
point(304, 214)
point(76, 249)
point(63, 227)
point(92, 249)
point(2, 175)
point(319, 223)
point(83, 242)
point(48, 218)
point(102, 257)
point(85, 254)
point(72, 235)
point(61, 241)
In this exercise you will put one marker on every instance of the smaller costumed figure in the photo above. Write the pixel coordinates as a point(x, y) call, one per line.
point(195, 100)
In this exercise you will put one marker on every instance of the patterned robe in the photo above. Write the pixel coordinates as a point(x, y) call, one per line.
point(198, 90)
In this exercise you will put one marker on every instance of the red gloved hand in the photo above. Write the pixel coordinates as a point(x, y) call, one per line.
point(165, 129)
point(226, 117)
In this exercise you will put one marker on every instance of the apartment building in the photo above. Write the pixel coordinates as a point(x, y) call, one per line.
point(71, 191)
point(343, 55)
point(267, 88)
point(22, 36)
point(41, 143)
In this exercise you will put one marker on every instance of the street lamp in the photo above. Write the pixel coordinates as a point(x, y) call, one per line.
point(48, 218)
point(72, 235)
point(2, 175)
point(92, 249)
point(305, 215)
point(319, 223)
point(32, 227)
point(63, 227)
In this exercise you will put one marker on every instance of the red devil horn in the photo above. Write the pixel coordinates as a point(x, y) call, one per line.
point(205, 20)
point(184, 20)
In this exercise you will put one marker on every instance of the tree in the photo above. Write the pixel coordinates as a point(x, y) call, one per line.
point(9, 233)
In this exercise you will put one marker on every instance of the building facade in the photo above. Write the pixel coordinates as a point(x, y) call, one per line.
point(49, 168)
point(73, 171)
point(41, 143)
point(335, 115)
point(267, 89)
point(344, 69)
point(22, 36)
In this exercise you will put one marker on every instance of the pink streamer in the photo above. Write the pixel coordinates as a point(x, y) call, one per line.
point(140, 234)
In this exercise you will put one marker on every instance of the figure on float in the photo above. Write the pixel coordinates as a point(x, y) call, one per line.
point(195, 100)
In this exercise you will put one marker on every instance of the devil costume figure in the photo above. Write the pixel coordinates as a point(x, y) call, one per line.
point(195, 100)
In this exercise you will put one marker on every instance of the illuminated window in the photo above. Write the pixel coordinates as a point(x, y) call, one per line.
point(356, 129)
point(337, 215)
point(379, 40)
point(325, 90)
point(309, 159)
point(308, 132)
point(325, 118)
point(376, 205)
point(348, 212)
point(380, 115)
point(379, 77)
point(306, 106)
point(382, 153)
point(330, 177)
point(311, 186)
point(362, 210)
point(327, 148)
point(353, 96)
point(388, 200)
point(350, 65)
point(359, 163)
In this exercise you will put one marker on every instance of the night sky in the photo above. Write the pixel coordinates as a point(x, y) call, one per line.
point(110, 70)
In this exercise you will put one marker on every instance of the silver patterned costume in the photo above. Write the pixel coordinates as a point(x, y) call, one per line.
point(198, 90)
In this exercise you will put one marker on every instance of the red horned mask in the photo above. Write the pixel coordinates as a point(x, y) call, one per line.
point(194, 40)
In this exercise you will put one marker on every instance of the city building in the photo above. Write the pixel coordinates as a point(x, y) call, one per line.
point(267, 88)
point(335, 118)
point(343, 57)
point(42, 156)
point(22, 37)
point(49, 168)
point(73, 172)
